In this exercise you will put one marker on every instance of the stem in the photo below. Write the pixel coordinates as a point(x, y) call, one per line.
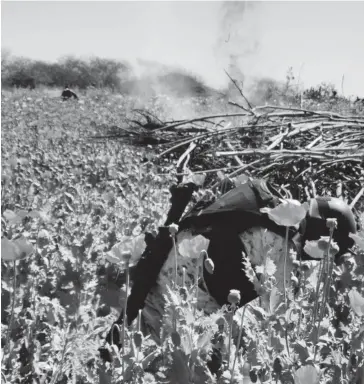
point(230, 331)
point(327, 282)
point(300, 313)
point(125, 316)
point(60, 367)
point(286, 337)
point(139, 323)
point(284, 284)
point(175, 261)
point(139, 319)
point(196, 283)
point(317, 291)
point(11, 315)
point(285, 268)
point(326, 273)
point(238, 345)
point(174, 320)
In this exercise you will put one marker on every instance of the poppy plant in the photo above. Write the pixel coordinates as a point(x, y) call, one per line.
point(131, 246)
point(317, 248)
point(289, 213)
point(14, 250)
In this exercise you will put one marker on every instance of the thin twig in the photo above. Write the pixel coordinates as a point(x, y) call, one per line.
point(241, 93)
point(356, 198)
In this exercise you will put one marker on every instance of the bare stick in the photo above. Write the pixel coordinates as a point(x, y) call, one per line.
point(236, 158)
point(240, 91)
point(357, 197)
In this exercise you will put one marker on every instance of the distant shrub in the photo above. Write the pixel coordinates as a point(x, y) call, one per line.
point(24, 73)
point(321, 92)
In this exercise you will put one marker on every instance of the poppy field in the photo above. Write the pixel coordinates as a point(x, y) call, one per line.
point(74, 214)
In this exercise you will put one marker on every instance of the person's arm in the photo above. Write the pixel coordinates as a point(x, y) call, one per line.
point(151, 262)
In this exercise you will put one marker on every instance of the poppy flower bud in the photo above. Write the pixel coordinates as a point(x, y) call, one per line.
point(294, 279)
point(221, 323)
point(331, 223)
point(277, 366)
point(203, 254)
point(114, 349)
point(173, 229)
point(183, 292)
point(305, 266)
point(176, 338)
point(209, 265)
point(234, 297)
point(292, 255)
point(138, 339)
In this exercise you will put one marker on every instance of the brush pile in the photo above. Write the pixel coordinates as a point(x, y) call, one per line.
point(309, 152)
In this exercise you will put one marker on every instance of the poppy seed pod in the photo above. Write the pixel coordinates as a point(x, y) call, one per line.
point(234, 297)
point(294, 280)
point(331, 223)
point(209, 266)
point(126, 256)
point(173, 229)
point(176, 338)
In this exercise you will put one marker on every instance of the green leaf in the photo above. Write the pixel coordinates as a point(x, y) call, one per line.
point(359, 239)
point(302, 350)
point(12, 217)
point(180, 372)
point(38, 215)
point(278, 343)
point(356, 302)
point(12, 250)
point(274, 300)
point(307, 374)
point(259, 313)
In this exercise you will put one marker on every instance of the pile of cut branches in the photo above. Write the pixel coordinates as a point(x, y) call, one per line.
point(309, 152)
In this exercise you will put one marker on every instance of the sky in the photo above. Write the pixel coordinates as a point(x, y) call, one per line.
point(321, 41)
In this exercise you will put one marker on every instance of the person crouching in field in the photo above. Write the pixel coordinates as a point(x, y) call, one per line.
point(68, 94)
point(237, 226)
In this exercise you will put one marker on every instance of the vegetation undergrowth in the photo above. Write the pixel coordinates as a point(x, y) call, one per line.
point(67, 202)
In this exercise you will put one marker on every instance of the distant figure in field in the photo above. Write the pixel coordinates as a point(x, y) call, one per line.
point(68, 94)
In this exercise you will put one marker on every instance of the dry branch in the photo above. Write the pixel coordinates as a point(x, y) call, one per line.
point(309, 150)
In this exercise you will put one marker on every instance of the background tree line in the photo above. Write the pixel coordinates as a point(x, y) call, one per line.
point(20, 72)
point(97, 72)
